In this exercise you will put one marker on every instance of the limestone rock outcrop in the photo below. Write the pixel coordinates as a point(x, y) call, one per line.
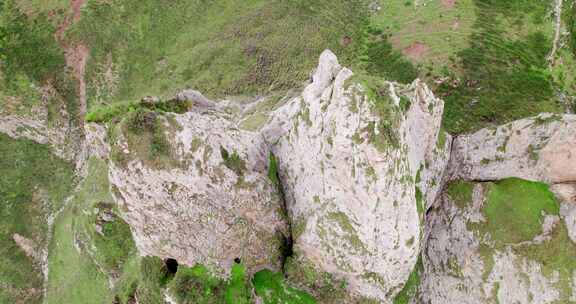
point(208, 201)
point(539, 148)
point(352, 155)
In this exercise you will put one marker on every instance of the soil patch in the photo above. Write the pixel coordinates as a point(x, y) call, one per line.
point(448, 3)
point(416, 51)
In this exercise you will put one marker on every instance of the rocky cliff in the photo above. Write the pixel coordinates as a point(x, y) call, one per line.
point(350, 189)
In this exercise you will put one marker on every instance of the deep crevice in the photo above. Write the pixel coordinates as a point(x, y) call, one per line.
point(287, 241)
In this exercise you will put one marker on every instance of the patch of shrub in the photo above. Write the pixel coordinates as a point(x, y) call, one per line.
point(380, 59)
point(233, 161)
point(108, 113)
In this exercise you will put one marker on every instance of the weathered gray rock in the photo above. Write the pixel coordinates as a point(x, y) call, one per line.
point(348, 168)
point(540, 148)
point(196, 98)
point(209, 201)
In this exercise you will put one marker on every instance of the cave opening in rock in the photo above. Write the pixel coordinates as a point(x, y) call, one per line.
point(171, 265)
point(237, 260)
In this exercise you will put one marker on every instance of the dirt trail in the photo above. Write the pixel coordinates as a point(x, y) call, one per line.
point(76, 55)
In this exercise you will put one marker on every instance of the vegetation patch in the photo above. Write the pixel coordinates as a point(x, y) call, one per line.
point(514, 210)
point(272, 288)
point(196, 285)
point(220, 48)
point(410, 288)
point(381, 133)
point(107, 113)
point(461, 193)
point(144, 131)
point(34, 183)
point(503, 72)
point(32, 58)
point(558, 254)
point(233, 161)
point(381, 59)
point(273, 169)
point(324, 287)
point(90, 244)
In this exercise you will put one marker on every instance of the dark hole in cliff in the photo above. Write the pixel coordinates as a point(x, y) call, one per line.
point(286, 246)
point(237, 260)
point(171, 265)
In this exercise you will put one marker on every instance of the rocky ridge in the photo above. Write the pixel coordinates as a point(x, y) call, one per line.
point(353, 176)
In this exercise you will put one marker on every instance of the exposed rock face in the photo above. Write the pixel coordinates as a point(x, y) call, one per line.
point(349, 178)
point(468, 261)
point(539, 148)
point(211, 204)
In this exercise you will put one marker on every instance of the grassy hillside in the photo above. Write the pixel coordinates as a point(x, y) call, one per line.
point(486, 58)
point(33, 185)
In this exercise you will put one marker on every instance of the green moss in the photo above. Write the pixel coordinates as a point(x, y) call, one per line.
point(557, 254)
point(107, 113)
point(533, 153)
point(420, 203)
point(237, 291)
point(115, 243)
point(325, 288)
point(410, 288)
point(514, 210)
point(254, 121)
point(461, 193)
point(305, 113)
point(195, 145)
point(405, 103)
point(273, 169)
point(270, 286)
point(233, 161)
point(441, 142)
point(371, 173)
point(351, 235)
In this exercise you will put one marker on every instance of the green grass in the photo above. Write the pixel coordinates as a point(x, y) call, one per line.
point(73, 276)
point(31, 57)
point(503, 73)
point(34, 183)
point(570, 18)
point(82, 276)
point(431, 24)
point(410, 288)
point(270, 286)
point(461, 193)
point(220, 47)
point(115, 246)
point(196, 285)
point(514, 209)
point(237, 289)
